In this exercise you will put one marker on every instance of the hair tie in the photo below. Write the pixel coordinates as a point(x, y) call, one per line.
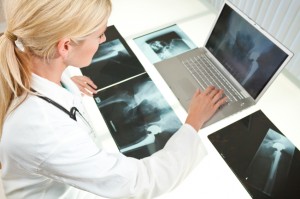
point(10, 36)
point(19, 45)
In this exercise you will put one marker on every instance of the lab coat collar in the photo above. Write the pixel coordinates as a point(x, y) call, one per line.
point(66, 97)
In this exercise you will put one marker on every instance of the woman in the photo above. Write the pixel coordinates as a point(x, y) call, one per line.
point(47, 147)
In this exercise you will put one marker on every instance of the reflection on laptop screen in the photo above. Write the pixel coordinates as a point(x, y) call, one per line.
point(245, 52)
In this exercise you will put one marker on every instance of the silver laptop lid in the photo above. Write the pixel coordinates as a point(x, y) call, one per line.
point(249, 54)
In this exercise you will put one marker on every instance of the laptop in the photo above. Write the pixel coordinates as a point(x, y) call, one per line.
point(238, 57)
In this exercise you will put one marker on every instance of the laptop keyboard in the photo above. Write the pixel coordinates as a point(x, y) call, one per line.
point(206, 74)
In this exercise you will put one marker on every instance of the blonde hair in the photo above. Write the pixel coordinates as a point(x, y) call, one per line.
point(38, 25)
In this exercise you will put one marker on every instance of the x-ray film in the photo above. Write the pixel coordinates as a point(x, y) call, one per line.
point(164, 43)
point(263, 159)
point(138, 117)
point(269, 168)
point(113, 62)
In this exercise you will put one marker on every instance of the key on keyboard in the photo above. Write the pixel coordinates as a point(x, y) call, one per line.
point(206, 74)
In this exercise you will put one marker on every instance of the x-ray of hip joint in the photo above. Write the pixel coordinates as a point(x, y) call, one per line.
point(137, 115)
point(270, 165)
point(264, 160)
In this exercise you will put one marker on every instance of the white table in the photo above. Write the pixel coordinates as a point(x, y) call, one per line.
point(212, 178)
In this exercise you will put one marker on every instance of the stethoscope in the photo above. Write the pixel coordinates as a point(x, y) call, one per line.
point(71, 113)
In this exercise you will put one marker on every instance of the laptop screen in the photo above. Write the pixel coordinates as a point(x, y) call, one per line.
point(250, 57)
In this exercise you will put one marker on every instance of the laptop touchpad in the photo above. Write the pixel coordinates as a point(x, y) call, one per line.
point(185, 89)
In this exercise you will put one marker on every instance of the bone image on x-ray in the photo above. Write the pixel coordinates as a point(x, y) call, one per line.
point(270, 166)
point(277, 153)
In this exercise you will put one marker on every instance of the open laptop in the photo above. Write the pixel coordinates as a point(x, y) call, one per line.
point(240, 58)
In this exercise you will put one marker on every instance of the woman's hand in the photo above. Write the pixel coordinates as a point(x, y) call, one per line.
point(204, 105)
point(85, 85)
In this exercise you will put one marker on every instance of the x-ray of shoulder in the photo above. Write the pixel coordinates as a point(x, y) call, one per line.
point(113, 62)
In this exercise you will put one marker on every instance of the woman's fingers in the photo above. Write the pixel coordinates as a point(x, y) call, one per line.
point(85, 85)
point(88, 81)
point(204, 105)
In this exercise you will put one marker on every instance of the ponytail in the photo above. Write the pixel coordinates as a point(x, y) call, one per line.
point(15, 75)
point(34, 28)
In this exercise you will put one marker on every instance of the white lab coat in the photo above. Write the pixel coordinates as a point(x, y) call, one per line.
point(45, 154)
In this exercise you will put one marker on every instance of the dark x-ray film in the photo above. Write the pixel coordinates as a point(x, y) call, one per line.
point(262, 158)
point(113, 62)
point(138, 117)
point(270, 166)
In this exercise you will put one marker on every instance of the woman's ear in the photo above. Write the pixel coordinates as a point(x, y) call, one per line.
point(64, 47)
